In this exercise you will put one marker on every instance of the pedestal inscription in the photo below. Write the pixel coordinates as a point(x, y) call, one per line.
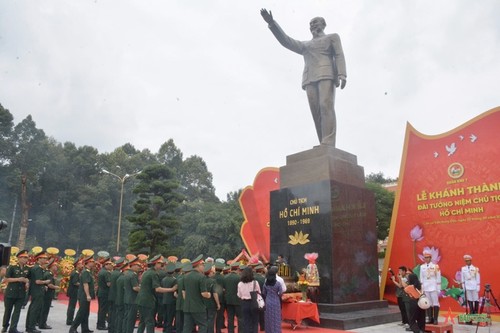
point(337, 221)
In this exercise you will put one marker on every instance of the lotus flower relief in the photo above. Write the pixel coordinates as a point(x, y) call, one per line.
point(416, 234)
point(434, 253)
point(298, 238)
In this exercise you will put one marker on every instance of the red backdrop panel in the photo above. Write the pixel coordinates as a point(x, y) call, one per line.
point(449, 201)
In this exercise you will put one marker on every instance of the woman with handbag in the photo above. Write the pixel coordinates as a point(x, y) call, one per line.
point(249, 309)
point(272, 292)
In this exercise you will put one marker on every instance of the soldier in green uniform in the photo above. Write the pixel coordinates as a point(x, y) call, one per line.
point(185, 267)
point(169, 299)
point(86, 292)
point(219, 279)
point(38, 286)
point(233, 307)
point(131, 289)
point(119, 305)
point(17, 281)
point(103, 284)
point(146, 299)
point(50, 271)
point(212, 304)
point(194, 291)
point(115, 274)
point(160, 307)
point(72, 292)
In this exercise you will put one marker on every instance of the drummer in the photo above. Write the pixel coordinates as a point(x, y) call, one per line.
point(416, 315)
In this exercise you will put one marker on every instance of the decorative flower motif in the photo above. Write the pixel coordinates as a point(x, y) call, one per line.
point(298, 238)
point(458, 277)
point(434, 253)
point(416, 234)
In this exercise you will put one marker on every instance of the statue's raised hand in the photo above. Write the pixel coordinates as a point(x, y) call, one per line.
point(267, 16)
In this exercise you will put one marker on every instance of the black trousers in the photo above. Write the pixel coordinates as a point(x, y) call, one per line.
point(250, 317)
point(417, 317)
point(402, 309)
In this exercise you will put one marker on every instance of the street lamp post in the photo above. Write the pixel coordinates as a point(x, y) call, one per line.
point(122, 181)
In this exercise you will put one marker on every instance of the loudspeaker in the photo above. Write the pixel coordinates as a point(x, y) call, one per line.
point(5, 254)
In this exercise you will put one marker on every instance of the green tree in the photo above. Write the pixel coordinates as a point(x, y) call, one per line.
point(196, 180)
point(154, 221)
point(6, 128)
point(216, 229)
point(384, 202)
point(170, 155)
point(379, 178)
point(28, 161)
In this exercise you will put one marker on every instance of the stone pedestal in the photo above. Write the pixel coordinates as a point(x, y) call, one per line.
point(323, 206)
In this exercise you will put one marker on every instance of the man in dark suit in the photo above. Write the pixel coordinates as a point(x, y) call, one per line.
point(324, 70)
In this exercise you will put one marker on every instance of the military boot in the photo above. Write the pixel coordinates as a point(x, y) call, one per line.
point(436, 315)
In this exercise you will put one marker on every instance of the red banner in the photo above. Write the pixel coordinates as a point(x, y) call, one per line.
point(255, 205)
point(448, 202)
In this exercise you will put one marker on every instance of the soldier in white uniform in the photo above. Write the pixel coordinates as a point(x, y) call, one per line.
point(471, 284)
point(430, 277)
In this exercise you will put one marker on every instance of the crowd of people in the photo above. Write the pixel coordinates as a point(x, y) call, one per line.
point(178, 296)
point(428, 285)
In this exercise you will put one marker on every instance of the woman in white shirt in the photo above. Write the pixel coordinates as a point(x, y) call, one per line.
point(245, 286)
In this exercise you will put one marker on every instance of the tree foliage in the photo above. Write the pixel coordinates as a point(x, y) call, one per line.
point(154, 218)
point(384, 202)
point(169, 208)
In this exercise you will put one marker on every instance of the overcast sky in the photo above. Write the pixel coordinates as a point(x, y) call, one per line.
point(211, 76)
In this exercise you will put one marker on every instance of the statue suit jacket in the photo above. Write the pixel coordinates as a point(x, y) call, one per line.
point(323, 56)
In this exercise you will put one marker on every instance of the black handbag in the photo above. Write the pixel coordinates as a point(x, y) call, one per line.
point(257, 302)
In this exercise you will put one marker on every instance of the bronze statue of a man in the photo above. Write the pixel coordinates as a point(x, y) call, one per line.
point(324, 70)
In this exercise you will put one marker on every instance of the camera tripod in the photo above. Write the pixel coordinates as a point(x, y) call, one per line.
point(488, 295)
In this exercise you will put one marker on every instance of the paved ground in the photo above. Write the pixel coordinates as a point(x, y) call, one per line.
point(394, 327)
point(57, 319)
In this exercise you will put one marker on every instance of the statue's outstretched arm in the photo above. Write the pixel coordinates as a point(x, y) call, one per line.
point(267, 15)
